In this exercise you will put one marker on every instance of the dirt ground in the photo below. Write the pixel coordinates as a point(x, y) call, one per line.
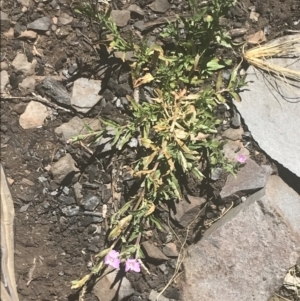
point(56, 247)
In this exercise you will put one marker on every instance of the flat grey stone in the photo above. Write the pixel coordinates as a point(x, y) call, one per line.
point(20, 63)
point(233, 134)
point(25, 3)
point(153, 252)
point(3, 66)
point(120, 17)
point(170, 250)
point(64, 19)
point(85, 94)
point(4, 80)
point(27, 85)
point(62, 168)
point(251, 177)
point(160, 6)
point(90, 202)
point(186, 211)
point(136, 9)
point(111, 287)
point(4, 19)
point(76, 126)
point(246, 254)
point(41, 24)
point(233, 149)
point(55, 91)
point(34, 115)
point(271, 110)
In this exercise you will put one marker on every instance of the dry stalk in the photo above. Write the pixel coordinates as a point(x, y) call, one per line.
point(181, 255)
point(262, 57)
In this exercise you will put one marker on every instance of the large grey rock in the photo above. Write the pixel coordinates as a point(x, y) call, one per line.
point(41, 24)
point(85, 94)
point(249, 178)
point(20, 63)
point(246, 254)
point(271, 110)
point(34, 115)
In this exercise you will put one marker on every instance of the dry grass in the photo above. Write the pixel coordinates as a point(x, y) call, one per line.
point(262, 57)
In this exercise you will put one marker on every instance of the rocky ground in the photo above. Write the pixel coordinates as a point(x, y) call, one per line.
point(50, 62)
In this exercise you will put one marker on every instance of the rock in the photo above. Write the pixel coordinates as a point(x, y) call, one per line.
point(64, 19)
point(3, 66)
point(133, 8)
point(271, 111)
point(77, 191)
point(249, 178)
point(245, 255)
point(236, 119)
point(4, 81)
point(140, 25)
point(19, 107)
point(216, 173)
point(153, 253)
point(233, 149)
point(254, 16)
point(120, 17)
point(28, 34)
point(237, 32)
point(64, 167)
point(34, 115)
point(67, 200)
point(28, 84)
point(170, 250)
point(90, 202)
point(59, 64)
point(112, 287)
point(85, 94)
point(25, 3)
point(70, 210)
point(160, 6)
point(154, 294)
point(256, 38)
point(5, 22)
point(233, 134)
point(55, 91)
point(9, 34)
point(20, 63)
point(41, 24)
point(186, 211)
point(76, 126)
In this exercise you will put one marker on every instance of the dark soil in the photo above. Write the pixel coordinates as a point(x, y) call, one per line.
point(63, 246)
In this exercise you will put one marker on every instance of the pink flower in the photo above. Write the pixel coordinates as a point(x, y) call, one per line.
point(132, 265)
point(112, 259)
point(241, 159)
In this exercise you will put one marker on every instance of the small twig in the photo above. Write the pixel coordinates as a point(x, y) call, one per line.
point(37, 98)
point(30, 273)
point(181, 255)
